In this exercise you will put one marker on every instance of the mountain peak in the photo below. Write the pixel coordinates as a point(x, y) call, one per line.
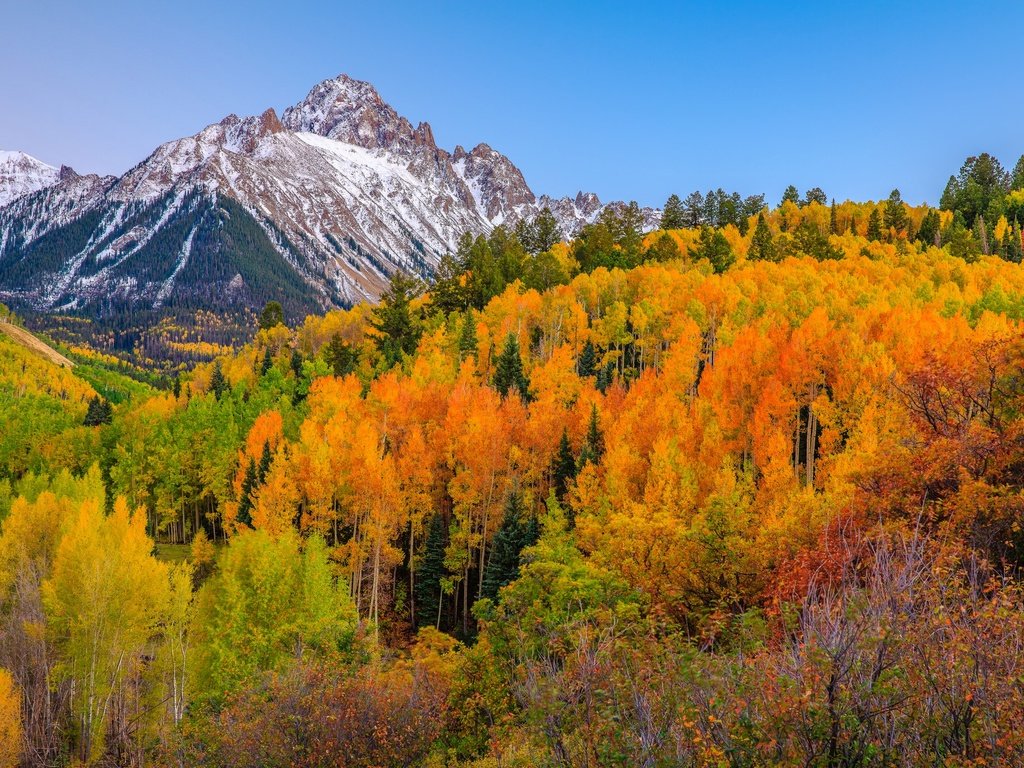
point(349, 110)
point(22, 174)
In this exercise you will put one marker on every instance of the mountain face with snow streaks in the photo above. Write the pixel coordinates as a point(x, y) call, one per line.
point(315, 208)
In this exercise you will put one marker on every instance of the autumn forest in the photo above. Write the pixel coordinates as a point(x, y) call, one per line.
point(745, 490)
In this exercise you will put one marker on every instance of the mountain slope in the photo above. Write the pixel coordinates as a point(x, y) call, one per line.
point(332, 197)
point(22, 174)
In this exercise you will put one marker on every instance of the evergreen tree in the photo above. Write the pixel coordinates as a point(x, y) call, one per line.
point(397, 332)
point(449, 292)
point(272, 315)
point(563, 467)
point(1012, 244)
point(605, 376)
point(1017, 177)
point(896, 213)
point(587, 362)
point(340, 356)
point(268, 362)
point(245, 502)
point(673, 216)
point(713, 246)
point(833, 224)
point(874, 225)
point(427, 589)
point(808, 239)
point(509, 541)
point(266, 459)
point(930, 225)
point(959, 240)
point(541, 233)
point(791, 195)
point(664, 248)
point(762, 245)
point(694, 210)
point(176, 387)
point(815, 195)
point(467, 337)
point(218, 384)
point(99, 412)
point(508, 371)
point(296, 363)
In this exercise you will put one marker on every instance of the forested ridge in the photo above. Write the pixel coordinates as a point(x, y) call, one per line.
point(746, 491)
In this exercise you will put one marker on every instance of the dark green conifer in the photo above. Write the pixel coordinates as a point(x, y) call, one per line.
point(508, 371)
point(563, 467)
point(428, 576)
point(587, 362)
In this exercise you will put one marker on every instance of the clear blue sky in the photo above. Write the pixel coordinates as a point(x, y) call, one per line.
point(630, 100)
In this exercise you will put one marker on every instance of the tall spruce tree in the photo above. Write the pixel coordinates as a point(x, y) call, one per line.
point(587, 363)
point(218, 384)
point(673, 216)
point(427, 587)
point(511, 538)
point(245, 501)
point(467, 336)
point(895, 213)
point(508, 371)
point(563, 467)
point(762, 245)
point(397, 330)
point(874, 225)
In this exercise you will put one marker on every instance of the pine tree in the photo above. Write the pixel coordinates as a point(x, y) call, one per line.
point(874, 225)
point(714, 247)
point(449, 292)
point(508, 371)
point(218, 384)
point(511, 538)
point(397, 332)
point(981, 234)
point(594, 442)
point(342, 358)
point(99, 412)
point(815, 195)
point(245, 502)
point(296, 363)
point(928, 234)
point(791, 195)
point(268, 362)
point(1012, 250)
point(673, 216)
point(833, 224)
point(896, 213)
point(563, 467)
point(427, 588)
point(266, 459)
point(1017, 176)
point(176, 387)
point(762, 245)
point(467, 337)
point(272, 315)
point(605, 377)
point(587, 362)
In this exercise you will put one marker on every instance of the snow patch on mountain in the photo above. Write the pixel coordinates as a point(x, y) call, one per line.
point(22, 174)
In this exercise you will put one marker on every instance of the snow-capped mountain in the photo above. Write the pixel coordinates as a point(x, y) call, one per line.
point(22, 174)
point(314, 208)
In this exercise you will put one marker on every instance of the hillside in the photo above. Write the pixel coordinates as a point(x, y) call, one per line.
point(34, 344)
point(764, 481)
